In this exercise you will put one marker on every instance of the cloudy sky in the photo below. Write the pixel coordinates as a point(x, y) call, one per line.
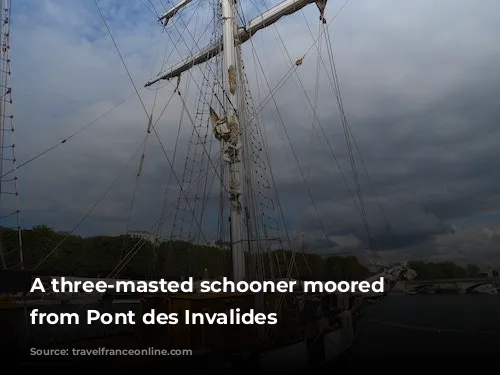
point(420, 85)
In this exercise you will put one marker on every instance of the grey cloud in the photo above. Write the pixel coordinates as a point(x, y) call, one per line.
point(420, 85)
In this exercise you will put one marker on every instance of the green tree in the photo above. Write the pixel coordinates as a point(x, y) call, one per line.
point(472, 270)
point(443, 270)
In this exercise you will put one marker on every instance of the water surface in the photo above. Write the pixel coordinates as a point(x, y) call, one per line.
point(470, 326)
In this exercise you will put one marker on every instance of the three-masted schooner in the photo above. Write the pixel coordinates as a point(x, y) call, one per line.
point(311, 329)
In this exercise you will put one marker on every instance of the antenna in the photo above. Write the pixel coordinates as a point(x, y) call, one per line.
point(9, 208)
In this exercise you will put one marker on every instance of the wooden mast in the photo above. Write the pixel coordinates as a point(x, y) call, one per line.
point(244, 33)
point(229, 128)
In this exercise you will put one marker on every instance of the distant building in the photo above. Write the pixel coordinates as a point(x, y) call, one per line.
point(492, 271)
point(145, 235)
point(220, 244)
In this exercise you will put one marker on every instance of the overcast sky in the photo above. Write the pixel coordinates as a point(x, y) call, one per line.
point(420, 85)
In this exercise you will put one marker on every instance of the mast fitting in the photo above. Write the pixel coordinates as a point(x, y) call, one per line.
point(232, 79)
point(220, 128)
point(150, 124)
point(178, 83)
point(243, 33)
point(321, 4)
point(165, 18)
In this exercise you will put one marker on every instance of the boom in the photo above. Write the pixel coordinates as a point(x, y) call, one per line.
point(266, 19)
point(164, 18)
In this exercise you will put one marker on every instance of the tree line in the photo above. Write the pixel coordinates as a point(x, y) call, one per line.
point(445, 270)
point(99, 256)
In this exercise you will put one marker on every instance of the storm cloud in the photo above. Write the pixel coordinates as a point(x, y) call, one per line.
point(420, 85)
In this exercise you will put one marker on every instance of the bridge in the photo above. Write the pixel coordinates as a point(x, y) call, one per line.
point(460, 284)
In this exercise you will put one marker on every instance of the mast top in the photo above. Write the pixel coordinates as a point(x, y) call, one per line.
point(244, 33)
point(165, 17)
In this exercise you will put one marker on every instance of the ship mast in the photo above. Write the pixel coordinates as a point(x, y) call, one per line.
point(227, 129)
point(9, 208)
point(233, 145)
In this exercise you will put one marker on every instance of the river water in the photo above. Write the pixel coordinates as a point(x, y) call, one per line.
point(469, 325)
point(398, 326)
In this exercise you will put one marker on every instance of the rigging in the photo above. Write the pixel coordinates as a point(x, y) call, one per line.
point(9, 187)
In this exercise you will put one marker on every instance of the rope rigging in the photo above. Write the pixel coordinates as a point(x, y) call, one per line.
point(152, 127)
point(297, 63)
point(294, 153)
point(359, 203)
point(120, 56)
point(193, 194)
point(100, 117)
point(165, 198)
point(264, 216)
point(209, 69)
point(141, 164)
point(196, 133)
point(66, 139)
point(9, 208)
point(315, 118)
point(381, 209)
point(195, 161)
point(92, 208)
point(348, 138)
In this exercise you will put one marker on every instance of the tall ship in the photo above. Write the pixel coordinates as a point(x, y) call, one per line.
point(227, 185)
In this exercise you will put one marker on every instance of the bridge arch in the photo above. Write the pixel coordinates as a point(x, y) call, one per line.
point(472, 287)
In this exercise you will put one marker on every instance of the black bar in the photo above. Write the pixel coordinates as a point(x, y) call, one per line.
point(15, 281)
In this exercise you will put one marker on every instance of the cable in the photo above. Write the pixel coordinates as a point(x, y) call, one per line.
point(120, 55)
point(91, 209)
point(66, 139)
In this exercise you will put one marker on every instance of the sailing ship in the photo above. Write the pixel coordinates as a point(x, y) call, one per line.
point(313, 328)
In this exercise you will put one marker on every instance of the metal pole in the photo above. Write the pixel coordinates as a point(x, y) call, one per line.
point(233, 146)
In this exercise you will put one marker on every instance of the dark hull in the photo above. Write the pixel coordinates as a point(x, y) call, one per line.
point(17, 328)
